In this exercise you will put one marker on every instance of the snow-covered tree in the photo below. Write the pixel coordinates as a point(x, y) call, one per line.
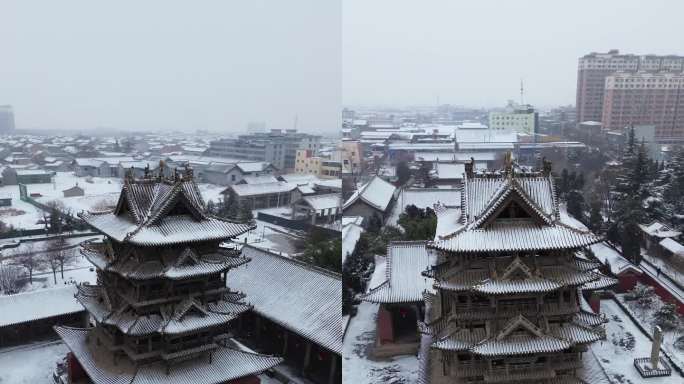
point(10, 275)
point(667, 317)
point(29, 259)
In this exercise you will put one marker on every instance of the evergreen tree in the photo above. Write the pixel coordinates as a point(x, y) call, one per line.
point(245, 214)
point(575, 202)
point(374, 224)
point(403, 173)
point(667, 317)
point(595, 218)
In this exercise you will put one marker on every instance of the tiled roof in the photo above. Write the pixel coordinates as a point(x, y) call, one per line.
point(168, 265)
point(377, 193)
point(227, 364)
point(188, 316)
point(162, 212)
point(515, 235)
point(301, 298)
point(174, 229)
point(404, 282)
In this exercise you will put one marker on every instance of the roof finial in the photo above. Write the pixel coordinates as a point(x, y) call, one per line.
point(508, 164)
point(546, 166)
point(469, 167)
point(189, 174)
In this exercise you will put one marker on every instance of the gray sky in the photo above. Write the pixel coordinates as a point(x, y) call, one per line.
point(474, 53)
point(167, 64)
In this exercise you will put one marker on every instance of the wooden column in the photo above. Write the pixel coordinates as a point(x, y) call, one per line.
point(307, 356)
point(285, 343)
point(333, 369)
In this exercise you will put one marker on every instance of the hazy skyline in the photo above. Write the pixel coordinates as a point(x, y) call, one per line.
point(177, 65)
point(474, 53)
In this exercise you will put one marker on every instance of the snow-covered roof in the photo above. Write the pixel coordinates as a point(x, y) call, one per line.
point(515, 236)
point(227, 363)
point(157, 212)
point(249, 167)
point(167, 264)
point(327, 201)
point(450, 171)
point(262, 189)
point(657, 229)
point(672, 246)
point(519, 336)
point(351, 232)
point(377, 193)
point(301, 298)
point(174, 318)
point(404, 282)
point(36, 305)
point(259, 179)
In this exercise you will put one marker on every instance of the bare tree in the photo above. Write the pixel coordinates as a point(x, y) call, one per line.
point(9, 278)
point(29, 259)
point(63, 254)
point(51, 258)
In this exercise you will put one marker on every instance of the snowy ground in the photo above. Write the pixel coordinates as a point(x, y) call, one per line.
point(30, 364)
point(357, 367)
point(645, 316)
point(624, 343)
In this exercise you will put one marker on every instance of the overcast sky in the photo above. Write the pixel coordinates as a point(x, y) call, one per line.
point(166, 64)
point(474, 53)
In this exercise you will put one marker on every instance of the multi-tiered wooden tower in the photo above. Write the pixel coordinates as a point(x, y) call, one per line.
point(508, 283)
point(161, 306)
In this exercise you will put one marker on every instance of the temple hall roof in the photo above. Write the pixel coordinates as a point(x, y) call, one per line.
point(303, 299)
point(404, 282)
point(157, 211)
point(227, 363)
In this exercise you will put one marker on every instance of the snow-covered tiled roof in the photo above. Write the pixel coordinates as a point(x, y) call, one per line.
point(170, 320)
point(515, 235)
point(377, 193)
point(404, 282)
point(151, 211)
point(164, 264)
point(301, 298)
point(36, 305)
point(227, 363)
point(172, 230)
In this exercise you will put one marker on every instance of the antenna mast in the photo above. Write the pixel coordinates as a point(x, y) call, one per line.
point(522, 99)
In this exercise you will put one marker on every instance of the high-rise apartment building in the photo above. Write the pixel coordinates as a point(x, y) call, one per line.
point(593, 69)
point(645, 98)
point(6, 119)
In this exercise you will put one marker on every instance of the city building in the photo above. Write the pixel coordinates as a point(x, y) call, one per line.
point(515, 118)
point(6, 119)
point(509, 277)
point(593, 69)
point(276, 147)
point(325, 168)
point(161, 307)
point(644, 98)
